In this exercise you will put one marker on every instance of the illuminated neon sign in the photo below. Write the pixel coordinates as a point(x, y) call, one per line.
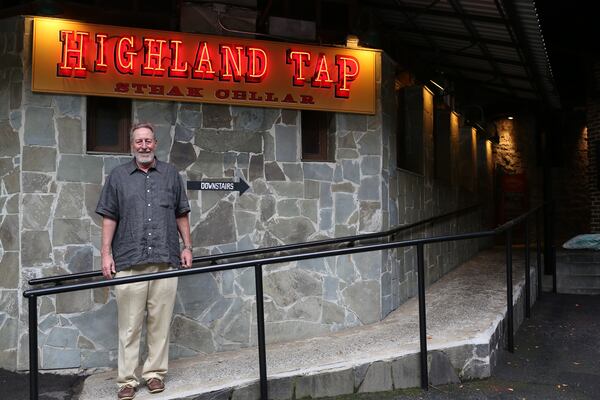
point(79, 58)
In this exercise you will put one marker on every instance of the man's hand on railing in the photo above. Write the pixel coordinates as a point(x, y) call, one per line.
point(186, 257)
point(108, 266)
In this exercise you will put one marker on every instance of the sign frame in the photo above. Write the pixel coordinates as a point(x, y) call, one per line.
point(295, 76)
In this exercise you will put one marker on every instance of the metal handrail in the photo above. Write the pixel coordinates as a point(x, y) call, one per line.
point(248, 263)
point(506, 228)
point(57, 279)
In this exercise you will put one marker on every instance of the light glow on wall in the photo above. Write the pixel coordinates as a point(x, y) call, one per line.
point(488, 153)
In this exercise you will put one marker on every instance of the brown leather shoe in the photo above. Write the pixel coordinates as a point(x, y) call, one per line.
point(155, 385)
point(126, 392)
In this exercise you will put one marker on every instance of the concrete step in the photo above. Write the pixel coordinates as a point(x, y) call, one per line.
point(578, 271)
point(581, 281)
point(465, 327)
point(578, 256)
point(587, 269)
point(577, 290)
point(578, 284)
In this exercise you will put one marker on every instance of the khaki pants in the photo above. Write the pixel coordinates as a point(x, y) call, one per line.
point(157, 298)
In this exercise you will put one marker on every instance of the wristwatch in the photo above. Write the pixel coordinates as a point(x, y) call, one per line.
point(190, 248)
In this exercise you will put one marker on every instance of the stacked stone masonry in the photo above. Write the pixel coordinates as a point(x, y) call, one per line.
point(577, 271)
point(593, 132)
point(11, 83)
point(50, 186)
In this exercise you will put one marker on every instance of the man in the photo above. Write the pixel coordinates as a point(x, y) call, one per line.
point(144, 205)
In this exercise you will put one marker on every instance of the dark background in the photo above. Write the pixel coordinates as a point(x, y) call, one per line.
point(572, 35)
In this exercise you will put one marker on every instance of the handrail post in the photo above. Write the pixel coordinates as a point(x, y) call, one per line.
point(33, 348)
point(538, 240)
point(527, 272)
point(549, 264)
point(422, 317)
point(509, 291)
point(552, 249)
point(260, 323)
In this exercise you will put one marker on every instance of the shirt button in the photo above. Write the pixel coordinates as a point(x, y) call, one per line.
point(148, 204)
point(147, 177)
point(149, 219)
point(148, 190)
point(149, 233)
point(149, 248)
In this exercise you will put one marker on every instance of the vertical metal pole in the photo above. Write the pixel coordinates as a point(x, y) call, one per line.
point(538, 239)
point(549, 262)
point(552, 249)
point(33, 348)
point(509, 291)
point(260, 322)
point(422, 316)
point(527, 272)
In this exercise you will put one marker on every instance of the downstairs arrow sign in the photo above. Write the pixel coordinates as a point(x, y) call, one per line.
point(240, 186)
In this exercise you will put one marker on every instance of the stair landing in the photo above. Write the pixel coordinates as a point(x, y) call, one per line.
point(578, 271)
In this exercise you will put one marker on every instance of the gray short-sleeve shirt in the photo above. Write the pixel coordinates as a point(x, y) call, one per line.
point(145, 206)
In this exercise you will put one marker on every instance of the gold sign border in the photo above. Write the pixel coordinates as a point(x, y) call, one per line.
point(367, 107)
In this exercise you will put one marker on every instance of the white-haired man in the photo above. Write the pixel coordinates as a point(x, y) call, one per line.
point(145, 209)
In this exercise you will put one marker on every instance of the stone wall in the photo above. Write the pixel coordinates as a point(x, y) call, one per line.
point(517, 153)
point(50, 186)
point(410, 197)
point(593, 132)
point(288, 202)
point(59, 232)
point(577, 271)
point(11, 81)
point(570, 183)
point(593, 139)
point(485, 182)
point(467, 159)
point(570, 168)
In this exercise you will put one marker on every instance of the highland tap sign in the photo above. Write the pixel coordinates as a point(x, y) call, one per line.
point(88, 59)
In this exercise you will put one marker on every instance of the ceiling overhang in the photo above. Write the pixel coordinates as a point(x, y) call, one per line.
point(491, 45)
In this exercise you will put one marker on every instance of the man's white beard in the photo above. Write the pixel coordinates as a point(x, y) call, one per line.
point(144, 158)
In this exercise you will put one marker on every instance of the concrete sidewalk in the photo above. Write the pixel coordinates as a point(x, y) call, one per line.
point(465, 313)
point(556, 357)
